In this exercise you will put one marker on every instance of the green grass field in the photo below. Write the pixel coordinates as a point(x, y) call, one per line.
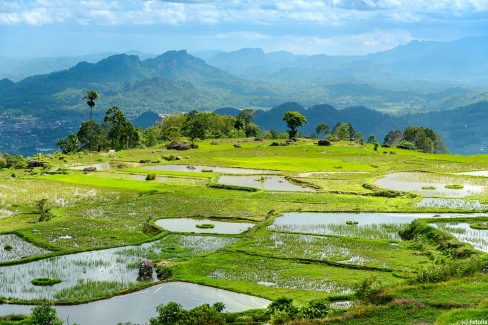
point(118, 207)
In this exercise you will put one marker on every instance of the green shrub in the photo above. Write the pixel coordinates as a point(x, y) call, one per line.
point(205, 226)
point(317, 308)
point(454, 186)
point(7, 248)
point(45, 281)
point(150, 176)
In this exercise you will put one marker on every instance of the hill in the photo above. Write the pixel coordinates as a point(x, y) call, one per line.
point(463, 129)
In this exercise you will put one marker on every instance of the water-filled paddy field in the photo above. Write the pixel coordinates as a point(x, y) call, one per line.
point(198, 226)
point(13, 247)
point(213, 169)
point(138, 307)
point(268, 183)
point(433, 185)
point(99, 273)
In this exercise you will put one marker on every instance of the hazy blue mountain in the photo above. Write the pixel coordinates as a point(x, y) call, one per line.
point(458, 61)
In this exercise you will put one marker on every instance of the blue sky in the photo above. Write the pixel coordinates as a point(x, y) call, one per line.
point(68, 27)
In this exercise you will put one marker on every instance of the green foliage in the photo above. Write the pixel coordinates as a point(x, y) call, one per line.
point(322, 129)
point(316, 308)
point(293, 121)
point(448, 269)
point(344, 131)
point(372, 139)
point(45, 281)
point(150, 176)
point(44, 314)
point(173, 314)
point(42, 208)
point(121, 133)
point(69, 145)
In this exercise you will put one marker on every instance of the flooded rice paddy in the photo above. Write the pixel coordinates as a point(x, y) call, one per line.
point(431, 185)
point(482, 173)
point(268, 183)
point(12, 247)
point(138, 307)
point(213, 169)
point(461, 204)
point(85, 274)
point(191, 225)
point(462, 231)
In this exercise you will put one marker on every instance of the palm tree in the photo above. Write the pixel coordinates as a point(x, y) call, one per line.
point(91, 95)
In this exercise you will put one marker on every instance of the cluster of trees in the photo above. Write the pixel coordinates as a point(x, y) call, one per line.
point(115, 132)
point(279, 311)
point(416, 138)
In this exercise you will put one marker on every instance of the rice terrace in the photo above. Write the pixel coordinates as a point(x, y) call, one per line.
point(376, 238)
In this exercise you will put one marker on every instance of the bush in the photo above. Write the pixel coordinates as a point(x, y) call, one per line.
point(317, 308)
point(44, 314)
point(45, 281)
point(150, 176)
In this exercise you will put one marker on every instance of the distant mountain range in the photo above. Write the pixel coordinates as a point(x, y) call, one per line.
point(416, 78)
point(459, 61)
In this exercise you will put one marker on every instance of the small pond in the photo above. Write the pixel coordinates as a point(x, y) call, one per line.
point(463, 231)
point(12, 247)
point(428, 184)
point(222, 170)
point(109, 270)
point(369, 225)
point(269, 183)
point(190, 225)
point(452, 204)
point(139, 306)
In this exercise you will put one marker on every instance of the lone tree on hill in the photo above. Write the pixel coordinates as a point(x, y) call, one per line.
point(294, 120)
point(91, 95)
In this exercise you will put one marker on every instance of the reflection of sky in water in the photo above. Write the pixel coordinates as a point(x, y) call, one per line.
point(190, 225)
point(139, 306)
point(269, 183)
point(223, 170)
point(102, 265)
point(411, 182)
point(483, 173)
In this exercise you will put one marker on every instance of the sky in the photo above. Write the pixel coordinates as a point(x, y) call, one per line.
point(35, 28)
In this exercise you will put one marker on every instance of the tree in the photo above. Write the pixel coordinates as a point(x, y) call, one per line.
point(91, 96)
point(69, 145)
point(371, 139)
point(121, 133)
point(44, 314)
point(393, 138)
point(252, 130)
point(91, 135)
point(293, 121)
point(344, 131)
point(246, 115)
point(239, 125)
point(322, 129)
